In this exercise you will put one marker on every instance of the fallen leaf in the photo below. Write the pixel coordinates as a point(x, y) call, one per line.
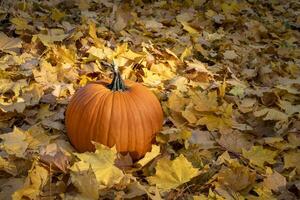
point(236, 177)
point(152, 24)
point(291, 159)
point(275, 182)
point(52, 35)
point(54, 157)
point(8, 44)
point(259, 156)
point(204, 139)
point(9, 187)
point(171, 174)
point(7, 166)
point(155, 151)
point(86, 183)
point(230, 55)
point(102, 164)
point(36, 180)
point(15, 143)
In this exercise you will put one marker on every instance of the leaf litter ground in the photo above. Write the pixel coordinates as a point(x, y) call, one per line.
point(226, 73)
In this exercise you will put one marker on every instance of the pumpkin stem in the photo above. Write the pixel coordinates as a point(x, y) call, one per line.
point(117, 83)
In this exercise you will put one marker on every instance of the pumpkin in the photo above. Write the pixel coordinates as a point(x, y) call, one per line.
point(121, 113)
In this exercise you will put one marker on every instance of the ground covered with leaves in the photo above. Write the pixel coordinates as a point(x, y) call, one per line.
point(226, 74)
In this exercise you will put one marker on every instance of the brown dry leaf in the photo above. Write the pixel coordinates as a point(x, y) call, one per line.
point(271, 114)
point(54, 157)
point(204, 139)
point(234, 141)
point(236, 177)
point(230, 55)
point(275, 181)
point(8, 44)
point(9, 186)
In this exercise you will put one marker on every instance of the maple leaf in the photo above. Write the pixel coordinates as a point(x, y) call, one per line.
point(155, 151)
point(47, 75)
point(86, 183)
point(56, 14)
point(36, 180)
point(21, 23)
point(8, 44)
point(259, 156)
point(10, 186)
point(176, 102)
point(237, 177)
point(271, 114)
point(204, 139)
point(263, 193)
point(291, 159)
point(102, 164)
point(52, 35)
point(15, 143)
point(189, 29)
point(274, 181)
point(222, 121)
point(230, 55)
point(54, 156)
point(205, 102)
point(234, 141)
point(7, 166)
point(171, 174)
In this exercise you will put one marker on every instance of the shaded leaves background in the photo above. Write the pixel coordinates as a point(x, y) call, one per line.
point(226, 73)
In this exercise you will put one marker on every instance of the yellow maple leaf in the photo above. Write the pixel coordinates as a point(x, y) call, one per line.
point(189, 29)
point(171, 174)
point(15, 142)
point(47, 75)
point(93, 33)
point(205, 102)
point(291, 159)
point(57, 15)
point(35, 181)
point(52, 35)
point(8, 166)
point(213, 122)
point(102, 164)
point(259, 156)
point(21, 23)
point(86, 183)
point(176, 102)
point(186, 53)
point(155, 151)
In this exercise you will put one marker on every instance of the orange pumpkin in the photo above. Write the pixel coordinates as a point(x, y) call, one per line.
point(123, 113)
